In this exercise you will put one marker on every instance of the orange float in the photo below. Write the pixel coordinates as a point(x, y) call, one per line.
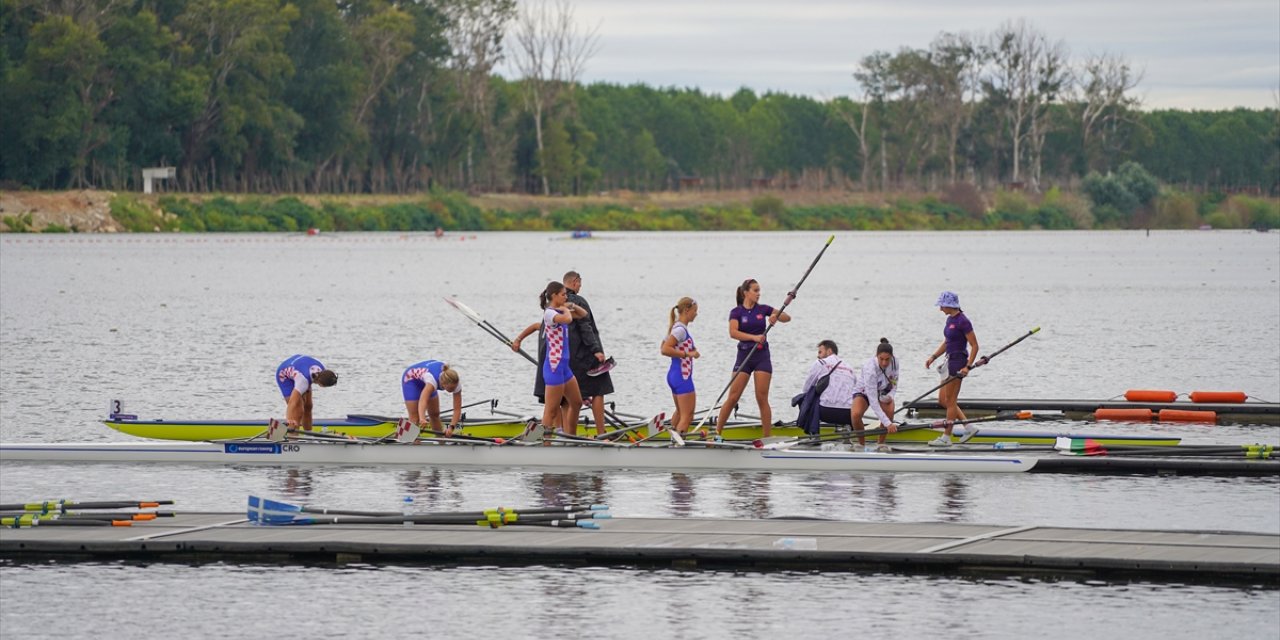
point(1132, 415)
point(1219, 396)
point(1149, 395)
point(1182, 415)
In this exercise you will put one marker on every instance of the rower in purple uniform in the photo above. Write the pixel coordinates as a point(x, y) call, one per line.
point(960, 346)
point(295, 376)
point(678, 345)
point(421, 383)
point(747, 324)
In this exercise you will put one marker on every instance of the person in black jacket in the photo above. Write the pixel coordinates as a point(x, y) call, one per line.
point(586, 352)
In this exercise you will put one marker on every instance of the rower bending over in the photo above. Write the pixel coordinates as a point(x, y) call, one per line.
point(420, 384)
point(879, 380)
point(294, 377)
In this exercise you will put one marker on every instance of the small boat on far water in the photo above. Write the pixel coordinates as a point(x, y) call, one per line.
point(581, 234)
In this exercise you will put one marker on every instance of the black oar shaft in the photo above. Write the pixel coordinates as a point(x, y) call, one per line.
point(978, 363)
point(791, 295)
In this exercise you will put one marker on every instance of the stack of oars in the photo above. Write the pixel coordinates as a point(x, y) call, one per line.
point(272, 512)
point(1085, 447)
point(68, 513)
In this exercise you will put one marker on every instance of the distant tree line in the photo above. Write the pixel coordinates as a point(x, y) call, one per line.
point(401, 96)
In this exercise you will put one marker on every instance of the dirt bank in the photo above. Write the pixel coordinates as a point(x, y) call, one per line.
point(72, 210)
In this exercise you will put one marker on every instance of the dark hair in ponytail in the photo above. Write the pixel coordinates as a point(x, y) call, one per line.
point(553, 288)
point(884, 347)
point(743, 288)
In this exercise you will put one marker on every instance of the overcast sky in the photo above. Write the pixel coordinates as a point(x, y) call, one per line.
point(1196, 54)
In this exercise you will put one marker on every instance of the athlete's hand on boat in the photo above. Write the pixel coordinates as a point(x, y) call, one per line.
point(892, 428)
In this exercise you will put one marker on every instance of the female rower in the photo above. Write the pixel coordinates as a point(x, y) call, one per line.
point(557, 313)
point(539, 385)
point(960, 346)
point(294, 376)
point(748, 323)
point(678, 345)
point(420, 385)
point(879, 380)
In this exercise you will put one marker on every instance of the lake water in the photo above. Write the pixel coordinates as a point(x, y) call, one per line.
point(193, 326)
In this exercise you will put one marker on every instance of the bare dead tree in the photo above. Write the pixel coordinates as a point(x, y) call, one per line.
point(1027, 74)
point(475, 32)
point(1100, 93)
point(551, 55)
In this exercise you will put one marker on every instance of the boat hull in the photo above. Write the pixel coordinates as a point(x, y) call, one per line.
point(494, 456)
point(375, 427)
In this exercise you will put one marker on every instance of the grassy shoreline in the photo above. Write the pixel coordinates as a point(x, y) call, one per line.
point(957, 208)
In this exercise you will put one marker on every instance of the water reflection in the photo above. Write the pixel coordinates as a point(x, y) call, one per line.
point(954, 499)
point(295, 483)
point(433, 488)
point(681, 494)
point(749, 494)
point(559, 489)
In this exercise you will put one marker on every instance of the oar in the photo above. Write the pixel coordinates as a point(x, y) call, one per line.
point(1088, 447)
point(62, 505)
point(33, 520)
point(491, 519)
point(107, 515)
point(484, 324)
point(791, 295)
point(257, 505)
point(976, 363)
point(936, 424)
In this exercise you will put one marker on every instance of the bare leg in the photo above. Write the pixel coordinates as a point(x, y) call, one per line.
point(433, 412)
point(762, 399)
point(597, 412)
point(949, 397)
point(735, 393)
point(685, 405)
point(574, 396)
point(856, 412)
point(551, 409)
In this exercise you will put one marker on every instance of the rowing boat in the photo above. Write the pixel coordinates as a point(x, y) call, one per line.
point(380, 426)
point(427, 453)
point(441, 453)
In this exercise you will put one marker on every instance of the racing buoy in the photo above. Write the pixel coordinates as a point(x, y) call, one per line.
point(1219, 396)
point(1130, 415)
point(1149, 395)
point(1183, 415)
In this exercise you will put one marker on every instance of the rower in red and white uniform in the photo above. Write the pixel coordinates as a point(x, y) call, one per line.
point(420, 385)
point(557, 313)
point(679, 346)
point(295, 376)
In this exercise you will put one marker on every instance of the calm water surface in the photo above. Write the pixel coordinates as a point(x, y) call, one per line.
point(193, 327)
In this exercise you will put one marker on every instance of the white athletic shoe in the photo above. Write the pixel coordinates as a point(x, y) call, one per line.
point(941, 441)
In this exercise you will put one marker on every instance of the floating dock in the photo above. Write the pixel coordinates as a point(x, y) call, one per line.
point(1224, 412)
point(686, 543)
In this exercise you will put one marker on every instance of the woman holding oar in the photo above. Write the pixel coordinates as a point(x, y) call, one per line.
point(960, 346)
point(748, 323)
point(678, 345)
point(557, 313)
point(420, 384)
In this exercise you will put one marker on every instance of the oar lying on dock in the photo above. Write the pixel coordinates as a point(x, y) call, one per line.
point(50, 506)
point(936, 424)
point(272, 512)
